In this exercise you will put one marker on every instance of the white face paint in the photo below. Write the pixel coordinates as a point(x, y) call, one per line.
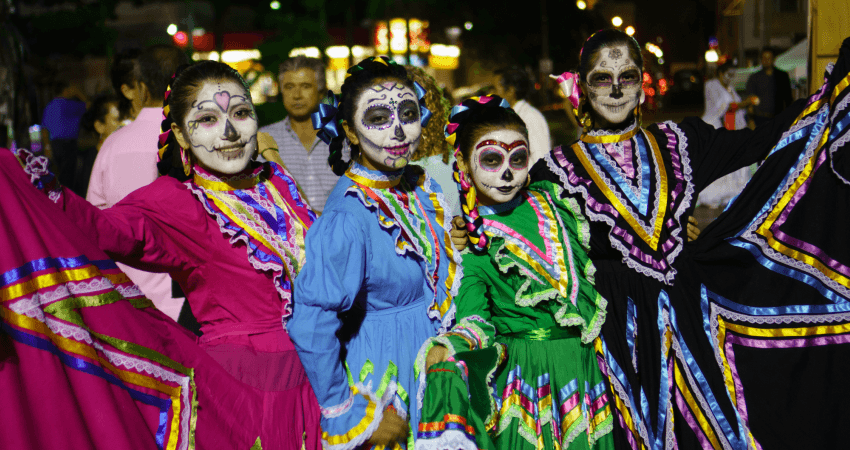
point(222, 127)
point(614, 86)
point(499, 166)
point(386, 121)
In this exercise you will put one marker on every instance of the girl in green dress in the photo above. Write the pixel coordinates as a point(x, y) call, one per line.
point(518, 370)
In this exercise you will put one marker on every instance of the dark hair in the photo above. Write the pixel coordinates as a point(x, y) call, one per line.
point(98, 110)
point(123, 71)
point(156, 66)
point(476, 117)
point(184, 86)
point(433, 140)
point(302, 62)
point(359, 78)
point(725, 67)
point(602, 39)
point(517, 79)
point(480, 120)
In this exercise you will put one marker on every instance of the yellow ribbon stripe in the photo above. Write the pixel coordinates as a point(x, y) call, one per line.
point(48, 280)
point(231, 185)
point(695, 410)
point(652, 241)
point(618, 402)
point(81, 349)
point(609, 139)
point(764, 229)
point(358, 430)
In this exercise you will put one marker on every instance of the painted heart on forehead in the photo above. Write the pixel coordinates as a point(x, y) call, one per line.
point(221, 127)
point(614, 87)
point(386, 125)
point(499, 165)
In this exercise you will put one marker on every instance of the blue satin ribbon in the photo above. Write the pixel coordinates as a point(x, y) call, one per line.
point(424, 112)
point(631, 330)
point(641, 203)
point(325, 119)
point(19, 273)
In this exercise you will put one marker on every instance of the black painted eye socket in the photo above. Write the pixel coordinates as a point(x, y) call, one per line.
point(519, 159)
point(601, 80)
point(408, 111)
point(491, 160)
point(630, 78)
point(378, 116)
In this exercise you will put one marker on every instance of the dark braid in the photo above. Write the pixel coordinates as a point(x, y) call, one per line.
point(360, 77)
point(470, 120)
point(181, 91)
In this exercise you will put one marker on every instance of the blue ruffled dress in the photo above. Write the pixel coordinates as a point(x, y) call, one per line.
point(378, 281)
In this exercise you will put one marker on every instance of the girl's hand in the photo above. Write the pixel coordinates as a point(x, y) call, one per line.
point(437, 354)
point(693, 230)
point(458, 233)
point(391, 429)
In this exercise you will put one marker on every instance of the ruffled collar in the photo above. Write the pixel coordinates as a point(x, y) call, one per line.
point(215, 181)
point(501, 207)
point(601, 136)
point(375, 179)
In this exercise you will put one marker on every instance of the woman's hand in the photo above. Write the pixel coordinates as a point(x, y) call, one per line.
point(693, 229)
point(437, 354)
point(458, 233)
point(391, 429)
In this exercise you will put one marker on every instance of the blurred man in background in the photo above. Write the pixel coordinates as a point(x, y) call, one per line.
point(302, 85)
point(514, 85)
point(772, 87)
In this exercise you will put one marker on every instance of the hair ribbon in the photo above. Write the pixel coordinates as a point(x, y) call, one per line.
point(424, 112)
point(325, 119)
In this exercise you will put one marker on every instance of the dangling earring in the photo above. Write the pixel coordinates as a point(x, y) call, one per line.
point(527, 180)
point(637, 114)
point(186, 160)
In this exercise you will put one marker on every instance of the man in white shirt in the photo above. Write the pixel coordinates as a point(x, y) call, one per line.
point(513, 85)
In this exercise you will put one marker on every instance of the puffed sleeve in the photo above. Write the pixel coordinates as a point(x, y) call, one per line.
point(716, 103)
point(718, 152)
point(327, 285)
point(144, 229)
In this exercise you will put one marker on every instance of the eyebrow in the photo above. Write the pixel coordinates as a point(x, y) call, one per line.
point(501, 144)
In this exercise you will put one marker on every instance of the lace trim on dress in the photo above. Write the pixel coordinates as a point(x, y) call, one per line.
point(603, 132)
point(375, 175)
point(367, 426)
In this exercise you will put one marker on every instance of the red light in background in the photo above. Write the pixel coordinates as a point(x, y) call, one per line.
point(647, 78)
point(537, 86)
point(181, 39)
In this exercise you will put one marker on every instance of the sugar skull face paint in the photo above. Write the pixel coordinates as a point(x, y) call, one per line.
point(499, 165)
point(221, 127)
point(387, 124)
point(614, 86)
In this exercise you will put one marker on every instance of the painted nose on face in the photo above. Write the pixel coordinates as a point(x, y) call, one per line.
point(399, 133)
point(230, 132)
point(508, 176)
point(616, 91)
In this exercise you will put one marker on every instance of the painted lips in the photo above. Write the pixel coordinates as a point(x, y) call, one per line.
point(232, 151)
point(398, 151)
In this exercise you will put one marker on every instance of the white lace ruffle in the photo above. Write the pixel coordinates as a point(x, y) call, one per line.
point(601, 132)
point(448, 440)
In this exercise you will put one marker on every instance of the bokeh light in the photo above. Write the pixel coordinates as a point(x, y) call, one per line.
point(468, 26)
point(171, 30)
point(630, 30)
point(580, 4)
point(617, 21)
point(275, 5)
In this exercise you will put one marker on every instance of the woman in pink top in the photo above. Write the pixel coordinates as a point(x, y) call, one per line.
point(231, 233)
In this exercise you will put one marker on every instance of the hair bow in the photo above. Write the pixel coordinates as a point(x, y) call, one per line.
point(424, 112)
point(568, 81)
point(325, 119)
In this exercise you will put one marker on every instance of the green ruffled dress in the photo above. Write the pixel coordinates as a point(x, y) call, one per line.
point(522, 372)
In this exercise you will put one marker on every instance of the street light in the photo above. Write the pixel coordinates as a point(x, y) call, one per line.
point(630, 30)
point(711, 56)
point(171, 30)
point(580, 4)
point(617, 21)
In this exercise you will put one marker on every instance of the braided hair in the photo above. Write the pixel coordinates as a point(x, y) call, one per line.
point(179, 95)
point(470, 120)
point(359, 78)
